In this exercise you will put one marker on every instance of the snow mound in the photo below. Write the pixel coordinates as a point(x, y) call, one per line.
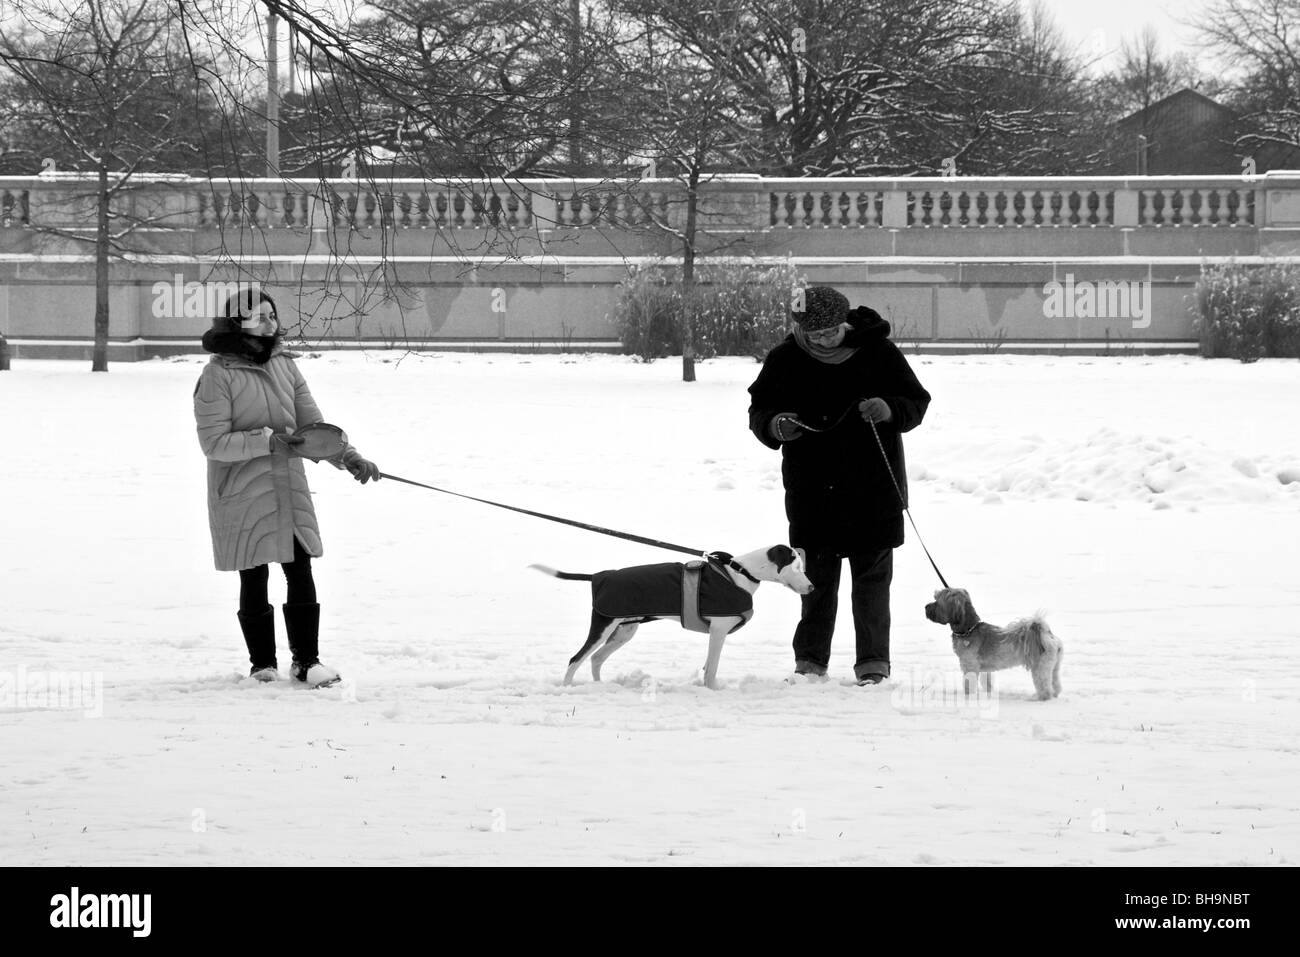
point(1110, 466)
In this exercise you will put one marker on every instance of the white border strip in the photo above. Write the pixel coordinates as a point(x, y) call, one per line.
point(380, 345)
point(549, 260)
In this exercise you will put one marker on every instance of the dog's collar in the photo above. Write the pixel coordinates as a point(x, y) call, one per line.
point(724, 558)
point(966, 633)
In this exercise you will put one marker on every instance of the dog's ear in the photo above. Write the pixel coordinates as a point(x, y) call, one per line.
point(780, 556)
point(958, 609)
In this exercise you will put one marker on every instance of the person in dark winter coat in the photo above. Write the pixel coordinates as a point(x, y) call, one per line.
point(248, 402)
point(815, 398)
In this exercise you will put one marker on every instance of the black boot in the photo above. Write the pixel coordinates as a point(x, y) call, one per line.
point(302, 622)
point(259, 636)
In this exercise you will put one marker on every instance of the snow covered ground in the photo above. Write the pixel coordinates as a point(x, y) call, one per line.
point(1150, 506)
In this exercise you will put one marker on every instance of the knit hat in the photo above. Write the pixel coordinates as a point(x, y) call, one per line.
point(824, 307)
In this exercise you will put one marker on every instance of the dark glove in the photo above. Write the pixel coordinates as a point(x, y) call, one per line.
point(875, 410)
point(363, 470)
point(285, 441)
point(784, 427)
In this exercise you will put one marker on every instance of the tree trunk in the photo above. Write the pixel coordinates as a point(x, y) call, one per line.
point(99, 362)
point(688, 277)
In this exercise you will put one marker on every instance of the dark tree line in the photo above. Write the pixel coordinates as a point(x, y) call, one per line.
point(679, 91)
point(523, 88)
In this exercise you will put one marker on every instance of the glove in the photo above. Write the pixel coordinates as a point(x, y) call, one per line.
point(285, 441)
point(875, 410)
point(363, 470)
point(784, 427)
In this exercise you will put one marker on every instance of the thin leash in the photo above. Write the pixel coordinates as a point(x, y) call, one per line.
point(320, 440)
point(722, 557)
point(554, 518)
point(892, 478)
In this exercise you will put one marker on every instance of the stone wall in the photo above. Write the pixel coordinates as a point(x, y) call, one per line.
point(536, 265)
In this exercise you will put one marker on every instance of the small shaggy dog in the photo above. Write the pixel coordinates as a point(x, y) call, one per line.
point(981, 647)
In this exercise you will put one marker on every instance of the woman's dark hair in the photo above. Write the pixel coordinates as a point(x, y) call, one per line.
point(241, 304)
point(227, 336)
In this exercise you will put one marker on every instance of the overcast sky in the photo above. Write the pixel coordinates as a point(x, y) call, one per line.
point(1119, 20)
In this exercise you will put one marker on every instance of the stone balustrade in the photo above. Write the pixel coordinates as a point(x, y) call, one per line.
point(950, 261)
point(728, 202)
point(1016, 203)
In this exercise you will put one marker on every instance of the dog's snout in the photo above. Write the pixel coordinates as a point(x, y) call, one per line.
point(931, 611)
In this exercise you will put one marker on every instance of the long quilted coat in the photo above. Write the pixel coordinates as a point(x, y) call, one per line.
point(258, 500)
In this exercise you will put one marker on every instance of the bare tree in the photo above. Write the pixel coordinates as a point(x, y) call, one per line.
point(1021, 105)
point(1258, 41)
point(1146, 74)
point(679, 116)
point(471, 96)
point(105, 87)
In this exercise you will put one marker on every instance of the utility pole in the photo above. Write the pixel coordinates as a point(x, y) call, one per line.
point(575, 107)
point(272, 96)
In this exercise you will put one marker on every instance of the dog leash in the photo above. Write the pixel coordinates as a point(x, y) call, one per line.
point(563, 521)
point(320, 440)
point(722, 558)
point(906, 510)
point(892, 478)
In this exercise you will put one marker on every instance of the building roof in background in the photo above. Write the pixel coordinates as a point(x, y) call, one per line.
point(1187, 104)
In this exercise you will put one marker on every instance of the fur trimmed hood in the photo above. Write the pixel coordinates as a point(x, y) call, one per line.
point(227, 343)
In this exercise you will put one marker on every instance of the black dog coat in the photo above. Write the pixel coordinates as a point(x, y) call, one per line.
point(694, 591)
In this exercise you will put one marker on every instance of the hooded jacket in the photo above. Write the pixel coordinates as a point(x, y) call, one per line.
point(839, 494)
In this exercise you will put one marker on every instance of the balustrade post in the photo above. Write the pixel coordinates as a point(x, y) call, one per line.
point(733, 202)
point(1126, 207)
point(894, 212)
point(1281, 199)
point(544, 209)
point(63, 201)
point(163, 200)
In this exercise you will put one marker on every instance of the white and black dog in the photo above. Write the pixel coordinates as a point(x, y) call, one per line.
point(714, 596)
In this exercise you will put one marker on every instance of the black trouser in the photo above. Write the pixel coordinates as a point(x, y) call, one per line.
point(872, 573)
point(297, 575)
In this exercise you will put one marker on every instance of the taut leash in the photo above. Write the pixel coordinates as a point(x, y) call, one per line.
point(555, 518)
point(892, 478)
point(320, 440)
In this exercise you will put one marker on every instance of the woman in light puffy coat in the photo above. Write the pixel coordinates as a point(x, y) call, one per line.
point(248, 401)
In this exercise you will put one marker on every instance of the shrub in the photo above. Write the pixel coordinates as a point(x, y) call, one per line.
point(741, 307)
point(1248, 312)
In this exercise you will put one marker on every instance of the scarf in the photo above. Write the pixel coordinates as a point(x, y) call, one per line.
point(831, 355)
point(262, 352)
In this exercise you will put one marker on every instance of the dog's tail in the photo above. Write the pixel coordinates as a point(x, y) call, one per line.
point(567, 576)
point(1038, 637)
